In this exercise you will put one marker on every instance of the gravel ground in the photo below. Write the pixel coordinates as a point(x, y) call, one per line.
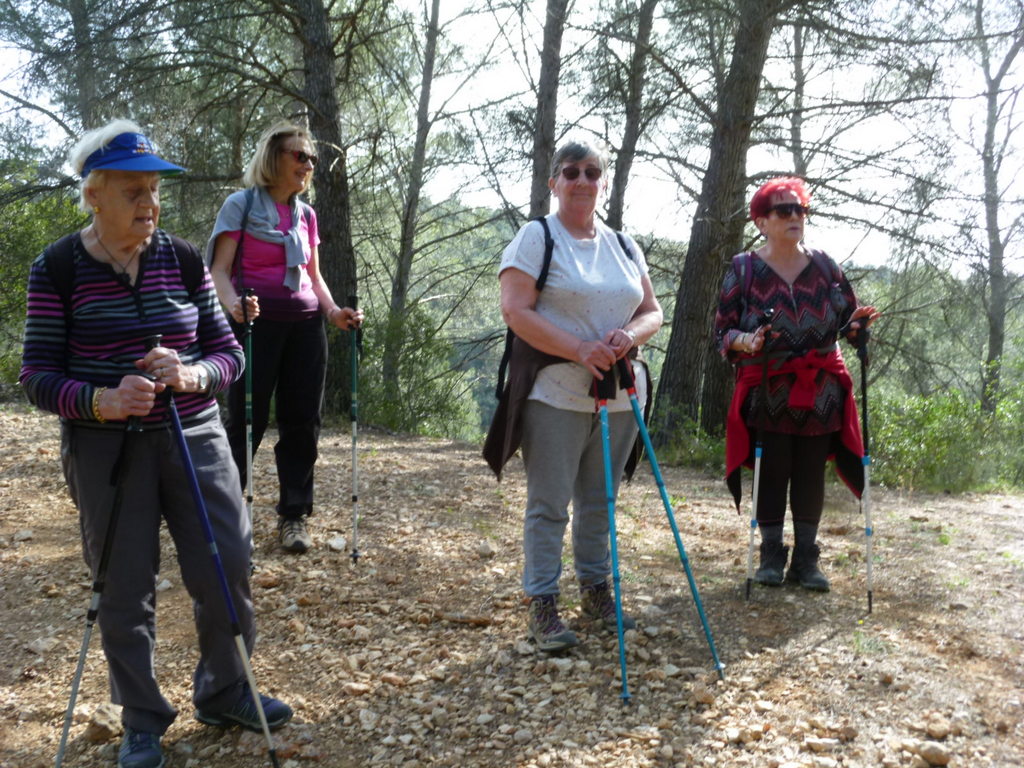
point(417, 654)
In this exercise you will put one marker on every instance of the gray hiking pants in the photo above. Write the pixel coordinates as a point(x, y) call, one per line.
point(563, 458)
point(155, 489)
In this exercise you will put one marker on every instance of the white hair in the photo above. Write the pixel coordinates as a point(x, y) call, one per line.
point(89, 143)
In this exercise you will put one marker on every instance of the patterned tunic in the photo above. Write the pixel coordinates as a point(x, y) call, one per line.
point(808, 315)
point(111, 319)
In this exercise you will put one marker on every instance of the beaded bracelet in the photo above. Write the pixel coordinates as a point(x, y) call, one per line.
point(96, 404)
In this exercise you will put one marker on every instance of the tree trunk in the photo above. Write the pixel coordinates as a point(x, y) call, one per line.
point(85, 67)
point(991, 158)
point(716, 234)
point(394, 340)
point(330, 182)
point(796, 123)
point(547, 106)
point(634, 113)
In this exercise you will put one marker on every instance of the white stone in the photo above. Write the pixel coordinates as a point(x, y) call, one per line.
point(42, 645)
point(337, 544)
point(934, 753)
point(23, 535)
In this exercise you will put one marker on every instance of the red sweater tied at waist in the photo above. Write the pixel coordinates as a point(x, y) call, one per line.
point(847, 451)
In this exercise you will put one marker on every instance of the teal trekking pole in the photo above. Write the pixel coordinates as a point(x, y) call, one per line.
point(355, 348)
point(603, 389)
point(626, 372)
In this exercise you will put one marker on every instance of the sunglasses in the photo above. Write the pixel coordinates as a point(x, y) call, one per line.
point(785, 210)
point(572, 172)
point(302, 157)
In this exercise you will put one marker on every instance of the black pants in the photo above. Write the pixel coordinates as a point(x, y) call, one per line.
point(289, 363)
point(797, 463)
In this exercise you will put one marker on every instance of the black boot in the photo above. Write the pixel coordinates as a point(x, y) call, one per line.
point(773, 556)
point(804, 568)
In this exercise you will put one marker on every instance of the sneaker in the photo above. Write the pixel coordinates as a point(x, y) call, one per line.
point(546, 628)
point(597, 602)
point(140, 750)
point(245, 714)
point(293, 534)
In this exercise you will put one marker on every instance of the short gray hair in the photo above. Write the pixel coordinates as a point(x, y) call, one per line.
point(89, 143)
point(262, 169)
point(577, 149)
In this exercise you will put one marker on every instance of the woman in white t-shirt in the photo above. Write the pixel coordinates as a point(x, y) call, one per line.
point(596, 305)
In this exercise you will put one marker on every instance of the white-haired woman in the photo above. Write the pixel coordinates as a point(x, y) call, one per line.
point(94, 298)
point(265, 241)
point(596, 305)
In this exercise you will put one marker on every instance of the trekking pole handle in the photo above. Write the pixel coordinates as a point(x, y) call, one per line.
point(604, 389)
point(863, 335)
point(246, 294)
point(625, 373)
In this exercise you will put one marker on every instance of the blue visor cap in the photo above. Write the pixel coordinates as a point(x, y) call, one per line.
point(129, 152)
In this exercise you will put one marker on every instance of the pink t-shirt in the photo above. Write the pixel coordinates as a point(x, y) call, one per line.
point(263, 267)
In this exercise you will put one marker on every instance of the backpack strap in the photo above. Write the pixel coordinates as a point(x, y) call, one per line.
point(825, 264)
point(542, 278)
point(59, 260)
point(549, 249)
point(742, 265)
point(190, 264)
point(625, 245)
point(250, 195)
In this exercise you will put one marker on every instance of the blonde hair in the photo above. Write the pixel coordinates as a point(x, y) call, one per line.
point(89, 143)
point(262, 170)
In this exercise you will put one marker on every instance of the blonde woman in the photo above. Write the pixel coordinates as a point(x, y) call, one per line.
point(265, 241)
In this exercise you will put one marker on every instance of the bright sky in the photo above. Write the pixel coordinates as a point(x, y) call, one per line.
point(654, 203)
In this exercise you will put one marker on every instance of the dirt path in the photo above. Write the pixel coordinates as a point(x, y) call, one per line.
point(417, 655)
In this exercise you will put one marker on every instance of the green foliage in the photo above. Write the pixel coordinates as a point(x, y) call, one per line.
point(692, 447)
point(27, 225)
point(945, 442)
point(434, 399)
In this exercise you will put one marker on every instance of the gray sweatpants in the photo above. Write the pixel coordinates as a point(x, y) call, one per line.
point(563, 458)
point(157, 488)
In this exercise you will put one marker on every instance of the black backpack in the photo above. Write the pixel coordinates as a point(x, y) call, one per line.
point(542, 278)
point(59, 259)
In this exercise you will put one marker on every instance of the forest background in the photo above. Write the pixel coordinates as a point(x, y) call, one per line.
point(435, 123)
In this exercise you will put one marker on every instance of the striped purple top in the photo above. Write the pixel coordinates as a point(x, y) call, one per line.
point(61, 367)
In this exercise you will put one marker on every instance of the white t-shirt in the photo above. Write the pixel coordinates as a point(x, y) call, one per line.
point(592, 287)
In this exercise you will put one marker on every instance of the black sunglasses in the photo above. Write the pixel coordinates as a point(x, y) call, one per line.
point(785, 210)
point(572, 172)
point(302, 157)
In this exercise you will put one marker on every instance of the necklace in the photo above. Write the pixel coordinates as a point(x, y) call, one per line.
point(123, 267)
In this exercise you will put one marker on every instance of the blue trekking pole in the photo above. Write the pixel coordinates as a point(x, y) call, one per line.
point(863, 335)
point(248, 403)
point(204, 520)
point(603, 389)
point(626, 372)
point(355, 347)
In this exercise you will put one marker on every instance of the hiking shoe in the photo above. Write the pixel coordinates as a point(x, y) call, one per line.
point(140, 750)
point(293, 534)
point(546, 628)
point(597, 602)
point(773, 564)
point(804, 568)
point(244, 713)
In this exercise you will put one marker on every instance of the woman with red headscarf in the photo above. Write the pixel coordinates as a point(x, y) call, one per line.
point(781, 311)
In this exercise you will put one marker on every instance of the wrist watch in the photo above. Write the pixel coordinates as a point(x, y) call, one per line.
point(202, 379)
